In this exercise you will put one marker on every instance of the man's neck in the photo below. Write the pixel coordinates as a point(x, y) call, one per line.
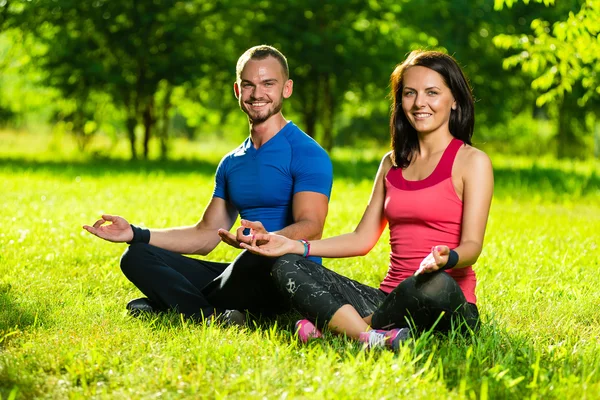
point(263, 132)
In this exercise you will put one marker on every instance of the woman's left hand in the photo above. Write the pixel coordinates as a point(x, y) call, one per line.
point(434, 260)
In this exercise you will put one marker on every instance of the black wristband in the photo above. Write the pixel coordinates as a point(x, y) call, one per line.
point(452, 260)
point(140, 235)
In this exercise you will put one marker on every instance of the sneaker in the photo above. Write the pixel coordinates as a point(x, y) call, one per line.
point(373, 338)
point(380, 338)
point(233, 318)
point(306, 330)
point(397, 336)
point(227, 318)
point(141, 305)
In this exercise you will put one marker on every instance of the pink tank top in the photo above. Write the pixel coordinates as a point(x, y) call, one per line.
point(422, 214)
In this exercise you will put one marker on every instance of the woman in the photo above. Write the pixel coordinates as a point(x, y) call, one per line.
point(435, 190)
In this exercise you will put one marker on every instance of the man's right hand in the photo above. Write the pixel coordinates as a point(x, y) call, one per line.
point(117, 231)
point(236, 240)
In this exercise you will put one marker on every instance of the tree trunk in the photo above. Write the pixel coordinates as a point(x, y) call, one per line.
point(148, 117)
point(131, 124)
point(309, 109)
point(569, 144)
point(328, 113)
point(164, 129)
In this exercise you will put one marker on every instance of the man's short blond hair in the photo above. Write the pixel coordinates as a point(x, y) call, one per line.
point(260, 53)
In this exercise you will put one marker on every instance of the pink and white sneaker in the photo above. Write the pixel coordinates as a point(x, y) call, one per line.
point(306, 330)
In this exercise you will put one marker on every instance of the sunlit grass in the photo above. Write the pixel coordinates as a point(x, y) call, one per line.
point(64, 332)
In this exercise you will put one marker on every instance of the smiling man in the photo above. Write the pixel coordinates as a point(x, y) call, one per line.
point(278, 175)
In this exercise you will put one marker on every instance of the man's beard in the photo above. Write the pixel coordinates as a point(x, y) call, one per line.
point(257, 118)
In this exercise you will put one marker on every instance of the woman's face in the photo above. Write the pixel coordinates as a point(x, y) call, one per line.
point(426, 100)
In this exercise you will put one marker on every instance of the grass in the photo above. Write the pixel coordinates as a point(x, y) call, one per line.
point(64, 332)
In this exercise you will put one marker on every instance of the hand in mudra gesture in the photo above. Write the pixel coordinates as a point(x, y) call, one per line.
point(235, 240)
point(117, 229)
point(272, 245)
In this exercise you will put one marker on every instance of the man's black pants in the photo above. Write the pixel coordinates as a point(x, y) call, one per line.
point(198, 288)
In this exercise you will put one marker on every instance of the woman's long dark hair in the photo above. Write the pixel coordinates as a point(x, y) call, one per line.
point(462, 120)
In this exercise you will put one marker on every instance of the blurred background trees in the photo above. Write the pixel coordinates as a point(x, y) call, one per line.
point(151, 70)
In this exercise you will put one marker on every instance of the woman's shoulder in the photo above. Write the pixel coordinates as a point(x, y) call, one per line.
point(387, 162)
point(470, 158)
point(472, 155)
point(385, 165)
point(387, 159)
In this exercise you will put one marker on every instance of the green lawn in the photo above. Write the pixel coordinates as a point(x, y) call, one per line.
point(64, 332)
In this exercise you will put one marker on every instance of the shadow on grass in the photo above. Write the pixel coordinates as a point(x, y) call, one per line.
point(491, 363)
point(547, 180)
point(355, 170)
point(13, 319)
point(509, 181)
point(111, 167)
point(499, 364)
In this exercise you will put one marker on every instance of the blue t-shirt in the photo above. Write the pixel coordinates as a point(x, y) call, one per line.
point(260, 183)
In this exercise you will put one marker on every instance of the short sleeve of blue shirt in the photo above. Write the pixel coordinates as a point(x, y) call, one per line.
point(310, 166)
point(220, 180)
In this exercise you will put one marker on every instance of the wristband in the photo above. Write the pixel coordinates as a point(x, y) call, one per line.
point(452, 260)
point(140, 235)
point(306, 247)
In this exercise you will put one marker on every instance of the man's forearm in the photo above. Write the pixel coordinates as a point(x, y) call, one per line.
point(185, 240)
point(304, 229)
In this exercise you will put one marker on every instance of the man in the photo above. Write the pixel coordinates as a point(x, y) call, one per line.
point(278, 175)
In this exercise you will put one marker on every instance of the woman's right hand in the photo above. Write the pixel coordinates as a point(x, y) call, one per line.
point(272, 245)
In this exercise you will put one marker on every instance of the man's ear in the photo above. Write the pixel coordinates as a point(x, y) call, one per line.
point(288, 88)
point(236, 90)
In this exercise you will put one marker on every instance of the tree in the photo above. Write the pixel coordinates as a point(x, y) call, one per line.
point(564, 59)
point(468, 37)
point(334, 47)
point(128, 49)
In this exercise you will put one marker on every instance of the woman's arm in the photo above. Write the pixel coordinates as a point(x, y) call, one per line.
point(475, 168)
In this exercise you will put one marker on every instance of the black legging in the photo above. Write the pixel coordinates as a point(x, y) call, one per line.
point(318, 293)
point(198, 288)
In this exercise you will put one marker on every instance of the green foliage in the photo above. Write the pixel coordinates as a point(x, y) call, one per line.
point(125, 49)
point(500, 94)
point(163, 68)
point(336, 49)
point(499, 4)
point(563, 58)
point(64, 332)
point(560, 55)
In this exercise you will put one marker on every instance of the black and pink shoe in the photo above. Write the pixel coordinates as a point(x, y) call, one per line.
point(391, 339)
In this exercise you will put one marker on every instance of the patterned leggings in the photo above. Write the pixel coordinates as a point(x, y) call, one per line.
point(425, 301)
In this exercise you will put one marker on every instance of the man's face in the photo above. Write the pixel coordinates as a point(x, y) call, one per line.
point(262, 88)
